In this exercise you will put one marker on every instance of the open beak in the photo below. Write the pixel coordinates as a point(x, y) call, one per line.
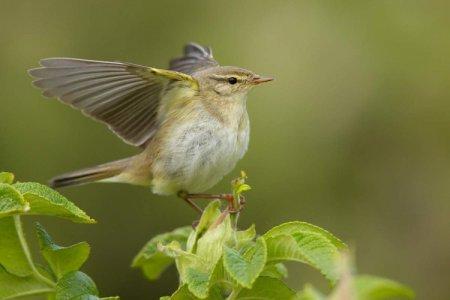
point(258, 79)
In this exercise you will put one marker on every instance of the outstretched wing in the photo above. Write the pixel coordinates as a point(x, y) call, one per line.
point(195, 58)
point(124, 96)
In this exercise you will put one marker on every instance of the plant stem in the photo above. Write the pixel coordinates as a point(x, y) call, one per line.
point(26, 250)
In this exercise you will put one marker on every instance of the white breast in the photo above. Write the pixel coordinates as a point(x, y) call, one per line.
point(198, 154)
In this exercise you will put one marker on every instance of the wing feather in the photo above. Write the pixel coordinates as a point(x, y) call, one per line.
point(196, 57)
point(124, 96)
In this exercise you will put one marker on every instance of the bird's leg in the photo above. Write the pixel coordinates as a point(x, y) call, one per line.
point(185, 196)
point(229, 198)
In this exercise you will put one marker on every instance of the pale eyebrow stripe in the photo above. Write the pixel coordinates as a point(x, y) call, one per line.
point(225, 77)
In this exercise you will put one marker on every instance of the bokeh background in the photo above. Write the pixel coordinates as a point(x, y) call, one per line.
point(354, 134)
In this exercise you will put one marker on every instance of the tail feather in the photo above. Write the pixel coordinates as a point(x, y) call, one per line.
point(91, 174)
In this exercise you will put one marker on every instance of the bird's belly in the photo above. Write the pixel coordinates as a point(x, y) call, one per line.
point(197, 156)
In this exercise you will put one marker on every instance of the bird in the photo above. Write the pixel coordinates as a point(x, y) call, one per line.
point(189, 120)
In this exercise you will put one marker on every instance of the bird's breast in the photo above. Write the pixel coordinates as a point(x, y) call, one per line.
point(197, 152)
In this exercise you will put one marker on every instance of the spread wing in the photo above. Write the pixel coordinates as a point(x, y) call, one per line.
point(195, 58)
point(124, 96)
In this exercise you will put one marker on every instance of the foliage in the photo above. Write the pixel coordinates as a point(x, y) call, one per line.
point(217, 261)
point(20, 276)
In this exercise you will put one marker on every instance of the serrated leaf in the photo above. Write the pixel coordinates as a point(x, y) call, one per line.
point(247, 235)
point(45, 201)
point(193, 269)
point(247, 267)
point(267, 288)
point(198, 282)
point(6, 177)
point(12, 256)
point(183, 293)
point(208, 218)
point(309, 248)
point(376, 288)
point(76, 285)
point(210, 245)
point(277, 270)
point(61, 260)
point(12, 286)
point(306, 243)
point(297, 226)
point(151, 260)
point(11, 201)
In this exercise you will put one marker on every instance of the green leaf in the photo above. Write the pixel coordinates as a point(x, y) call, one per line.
point(310, 293)
point(12, 256)
point(183, 293)
point(208, 218)
point(242, 188)
point(267, 288)
point(45, 201)
point(12, 286)
point(210, 245)
point(193, 269)
point(246, 268)
point(376, 288)
point(11, 201)
point(245, 236)
point(76, 285)
point(198, 282)
point(297, 226)
point(151, 260)
point(6, 177)
point(277, 270)
point(62, 260)
point(306, 243)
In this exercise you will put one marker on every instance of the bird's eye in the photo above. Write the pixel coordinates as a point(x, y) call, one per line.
point(232, 80)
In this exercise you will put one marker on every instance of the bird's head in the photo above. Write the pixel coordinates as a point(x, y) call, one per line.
point(228, 81)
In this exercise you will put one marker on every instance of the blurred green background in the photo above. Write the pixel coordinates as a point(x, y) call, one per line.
point(354, 134)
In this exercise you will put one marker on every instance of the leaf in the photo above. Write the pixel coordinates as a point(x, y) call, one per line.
point(12, 256)
point(278, 271)
point(61, 260)
point(193, 269)
point(210, 245)
point(12, 286)
point(310, 293)
point(306, 243)
point(245, 268)
point(151, 260)
point(6, 177)
point(45, 201)
point(183, 293)
point(198, 282)
point(267, 288)
point(242, 188)
point(76, 285)
point(376, 288)
point(244, 236)
point(297, 226)
point(11, 201)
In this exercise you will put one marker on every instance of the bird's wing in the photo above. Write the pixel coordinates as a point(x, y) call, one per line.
point(124, 96)
point(195, 57)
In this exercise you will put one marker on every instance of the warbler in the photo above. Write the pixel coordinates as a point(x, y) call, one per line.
point(190, 120)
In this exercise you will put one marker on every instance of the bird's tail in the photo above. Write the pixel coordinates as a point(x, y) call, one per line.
point(98, 173)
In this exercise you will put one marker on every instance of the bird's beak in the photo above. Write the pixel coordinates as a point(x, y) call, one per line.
point(258, 79)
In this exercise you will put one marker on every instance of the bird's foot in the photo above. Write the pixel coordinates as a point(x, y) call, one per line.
point(229, 198)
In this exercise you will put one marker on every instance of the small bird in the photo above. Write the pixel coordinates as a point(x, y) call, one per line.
point(190, 120)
